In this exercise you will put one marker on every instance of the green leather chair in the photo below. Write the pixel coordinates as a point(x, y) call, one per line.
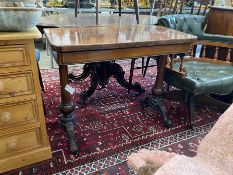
point(200, 76)
point(192, 24)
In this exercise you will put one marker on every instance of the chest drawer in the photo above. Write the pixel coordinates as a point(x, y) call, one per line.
point(14, 55)
point(19, 112)
point(16, 84)
point(19, 142)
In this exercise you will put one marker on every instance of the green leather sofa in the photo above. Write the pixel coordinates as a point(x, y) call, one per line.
point(201, 77)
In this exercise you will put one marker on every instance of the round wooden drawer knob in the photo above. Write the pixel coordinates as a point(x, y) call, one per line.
point(1, 86)
point(5, 117)
point(12, 144)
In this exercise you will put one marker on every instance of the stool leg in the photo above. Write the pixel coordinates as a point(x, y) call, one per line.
point(131, 72)
point(191, 104)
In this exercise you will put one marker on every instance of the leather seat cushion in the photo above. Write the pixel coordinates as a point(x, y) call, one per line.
point(203, 77)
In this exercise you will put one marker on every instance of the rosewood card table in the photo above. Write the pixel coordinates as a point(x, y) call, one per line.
point(109, 43)
point(69, 20)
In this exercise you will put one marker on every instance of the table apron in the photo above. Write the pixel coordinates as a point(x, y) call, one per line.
point(119, 53)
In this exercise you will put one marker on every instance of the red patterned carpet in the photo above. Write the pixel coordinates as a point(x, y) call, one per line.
point(112, 125)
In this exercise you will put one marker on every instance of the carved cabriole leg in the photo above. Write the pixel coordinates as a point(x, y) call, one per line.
point(85, 95)
point(68, 119)
point(157, 103)
point(86, 72)
point(118, 73)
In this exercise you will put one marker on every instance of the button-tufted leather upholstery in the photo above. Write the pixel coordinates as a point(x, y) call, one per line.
point(192, 24)
point(203, 77)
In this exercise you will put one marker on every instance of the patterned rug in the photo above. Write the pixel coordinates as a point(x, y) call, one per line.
point(112, 125)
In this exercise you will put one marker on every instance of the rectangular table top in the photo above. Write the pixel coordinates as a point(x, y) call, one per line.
point(113, 37)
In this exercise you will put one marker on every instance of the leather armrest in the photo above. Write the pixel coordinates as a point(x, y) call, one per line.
point(215, 37)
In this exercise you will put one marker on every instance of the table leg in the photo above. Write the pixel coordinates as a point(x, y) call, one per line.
point(86, 72)
point(157, 89)
point(155, 100)
point(68, 119)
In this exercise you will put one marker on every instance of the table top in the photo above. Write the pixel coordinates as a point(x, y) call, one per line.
point(89, 19)
point(113, 37)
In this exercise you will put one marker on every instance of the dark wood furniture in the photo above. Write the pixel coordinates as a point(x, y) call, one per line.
point(108, 43)
point(68, 20)
point(219, 21)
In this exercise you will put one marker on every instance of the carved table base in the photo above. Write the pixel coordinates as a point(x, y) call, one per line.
point(68, 124)
point(100, 74)
point(68, 119)
point(156, 103)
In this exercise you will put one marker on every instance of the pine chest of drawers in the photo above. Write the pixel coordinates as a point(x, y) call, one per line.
point(23, 136)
